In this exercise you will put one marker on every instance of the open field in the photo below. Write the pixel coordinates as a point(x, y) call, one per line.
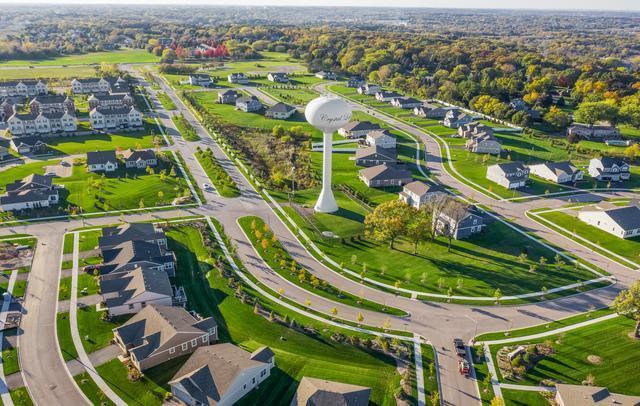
point(120, 56)
point(270, 62)
point(47, 73)
point(619, 356)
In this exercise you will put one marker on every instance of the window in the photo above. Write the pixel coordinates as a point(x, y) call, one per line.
point(194, 342)
point(204, 339)
point(253, 380)
point(131, 307)
point(172, 350)
point(185, 346)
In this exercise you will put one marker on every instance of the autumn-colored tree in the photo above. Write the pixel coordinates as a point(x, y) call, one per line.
point(388, 221)
point(627, 303)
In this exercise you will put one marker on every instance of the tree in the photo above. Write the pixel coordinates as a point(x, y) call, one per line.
point(497, 401)
point(591, 112)
point(360, 317)
point(168, 56)
point(420, 227)
point(435, 398)
point(388, 221)
point(334, 311)
point(497, 295)
point(627, 304)
point(557, 117)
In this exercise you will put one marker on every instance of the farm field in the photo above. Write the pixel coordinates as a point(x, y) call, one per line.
point(120, 56)
point(46, 73)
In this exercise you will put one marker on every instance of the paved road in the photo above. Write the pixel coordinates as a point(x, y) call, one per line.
point(437, 322)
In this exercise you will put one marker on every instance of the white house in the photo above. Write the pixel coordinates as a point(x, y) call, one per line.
point(511, 175)
point(594, 132)
point(358, 129)
point(417, 193)
point(384, 96)
point(110, 100)
point(104, 161)
point(52, 103)
point(484, 143)
point(280, 111)
point(238, 78)
point(381, 138)
point(248, 104)
point(139, 159)
point(623, 222)
point(456, 118)
point(33, 192)
point(45, 123)
point(369, 89)
point(221, 374)
point(326, 75)
point(26, 88)
point(200, 79)
point(557, 172)
point(97, 85)
point(609, 169)
point(278, 77)
point(405, 102)
point(106, 118)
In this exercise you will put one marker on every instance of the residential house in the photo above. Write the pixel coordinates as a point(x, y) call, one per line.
point(221, 374)
point(157, 334)
point(484, 143)
point(228, 96)
point(280, 111)
point(511, 175)
point(431, 111)
point(473, 128)
point(458, 220)
point(385, 96)
point(139, 159)
point(594, 132)
point(358, 129)
point(386, 175)
point(369, 89)
point(99, 85)
point(4, 153)
point(518, 105)
point(326, 75)
point(372, 156)
point(32, 192)
point(113, 236)
point(557, 172)
point(129, 255)
point(405, 102)
point(51, 123)
point(7, 108)
point(52, 103)
point(623, 222)
point(102, 161)
point(456, 118)
point(584, 395)
point(28, 145)
point(200, 79)
point(609, 169)
point(278, 77)
point(355, 82)
point(238, 78)
point(109, 118)
point(248, 104)
point(417, 193)
point(130, 292)
point(118, 100)
point(25, 88)
point(381, 138)
point(316, 392)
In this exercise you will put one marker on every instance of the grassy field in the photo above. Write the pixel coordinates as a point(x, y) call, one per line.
point(297, 354)
point(119, 56)
point(10, 362)
point(619, 356)
point(47, 73)
point(21, 397)
point(85, 281)
point(186, 130)
point(269, 62)
point(99, 142)
point(523, 398)
point(628, 248)
point(88, 241)
point(166, 101)
point(281, 262)
point(65, 341)
point(298, 96)
point(91, 390)
point(223, 183)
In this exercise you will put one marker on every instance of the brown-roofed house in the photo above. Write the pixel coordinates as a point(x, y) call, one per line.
point(577, 395)
point(386, 175)
point(320, 392)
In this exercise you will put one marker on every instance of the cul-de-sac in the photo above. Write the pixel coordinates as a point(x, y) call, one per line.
point(320, 204)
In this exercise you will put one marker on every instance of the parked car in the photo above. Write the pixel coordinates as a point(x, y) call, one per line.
point(463, 367)
point(90, 268)
point(460, 349)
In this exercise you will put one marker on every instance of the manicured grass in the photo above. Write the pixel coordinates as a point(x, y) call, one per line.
point(99, 142)
point(91, 390)
point(120, 56)
point(190, 176)
point(223, 183)
point(185, 128)
point(270, 62)
point(296, 94)
point(542, 328)
point(88, 241)
point(609, 340)
point(628, 248)
point(48, 73)
point(65, 341)
point(523, 398)
point(297, 354)
point(85, 281)
point(166, 101)
point(10, 362)
point(96, 333)
point(430, 380)
point(482, 371)
point(274, 254)
point(21, 397)
point(82, 262)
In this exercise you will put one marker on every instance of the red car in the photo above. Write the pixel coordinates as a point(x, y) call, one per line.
point(463, 367)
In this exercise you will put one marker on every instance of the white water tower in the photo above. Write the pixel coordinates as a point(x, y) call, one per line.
point(327, 114)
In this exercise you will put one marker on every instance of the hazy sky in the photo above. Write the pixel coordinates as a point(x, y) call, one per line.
point(627, 5)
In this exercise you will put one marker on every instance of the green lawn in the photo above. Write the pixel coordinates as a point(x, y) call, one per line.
point(628, 248)
point(65, 341)
point(96, 333)
point(47, 73)
point(99, 142)
point(281, 262)
point(85, 281)
point(297, 354)
point(482, 371)
point(21, 397)
point(10, 362)
point(609, 340)
point(185, 128)
point(270, 62)
point(166, 101)
point(221, 180)
point(523, 398)
point(88, 241)
point(120, 56)
point(91, 390)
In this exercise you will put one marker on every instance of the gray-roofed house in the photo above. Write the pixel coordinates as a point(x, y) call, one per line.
point(317, 392)
point(7, 108)
point(458, 220)
point(381, 138)
point(221, 374)
point(110, 100)
point(98, 85)
point(26, 88)
point(139, 159)
point(238, 78)
point(369, 89)
point(583, 395)
point(4, 152)
point(32, 192)
point(456, 118)
point(113, 236)
point(129, 292)
point(278, 77)
point(417, 193)
point(52, 103)
point(228, 96)
point(157, 334)
point(594, 132)
point(44, 123)
point(200, 79)
point(28, 145)
point(355, 82)
point(102, 161)
point(405, 102)
point(484, 143)
point(427, 110)
point(386, 175)
point(623, 222)
point(280, 111)
point(248, 104)
point(473, 128)
point(372, 156)
point(609, 169)
point(386, 96)
point(326, 75)
point(128, 255)
point(111, 117)
point(358, 129)
point(511, 175)
point(558, 172)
